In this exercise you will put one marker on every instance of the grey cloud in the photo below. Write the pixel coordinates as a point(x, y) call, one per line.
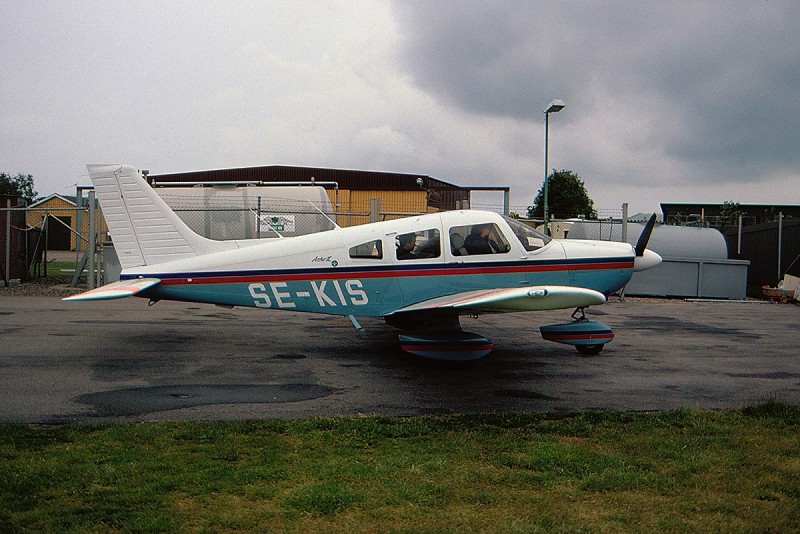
point(723, 74)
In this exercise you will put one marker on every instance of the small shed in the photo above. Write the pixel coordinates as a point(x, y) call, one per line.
point(58, 214)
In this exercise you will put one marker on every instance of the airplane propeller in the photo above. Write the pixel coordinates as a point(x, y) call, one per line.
point(644, 238)
point(645, 259)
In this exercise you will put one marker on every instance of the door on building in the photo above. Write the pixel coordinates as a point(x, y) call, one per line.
point(59, 233)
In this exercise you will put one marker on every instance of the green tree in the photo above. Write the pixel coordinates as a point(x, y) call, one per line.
point(566, 197)
point(729, 214)
point(21, 184)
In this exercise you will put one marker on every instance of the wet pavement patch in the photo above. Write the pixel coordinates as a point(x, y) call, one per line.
point(768, 375)
point(137, 401)
point(678, 325)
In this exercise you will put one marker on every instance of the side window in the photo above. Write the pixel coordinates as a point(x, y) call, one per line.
point(371, 250)
point(477, 239)
point(419, 245)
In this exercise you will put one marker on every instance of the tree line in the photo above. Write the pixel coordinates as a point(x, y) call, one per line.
point(19, 185)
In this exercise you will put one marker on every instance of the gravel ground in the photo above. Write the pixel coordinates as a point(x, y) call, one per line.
point(52, 286)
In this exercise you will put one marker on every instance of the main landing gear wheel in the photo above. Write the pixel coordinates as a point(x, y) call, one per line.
point(589, 350)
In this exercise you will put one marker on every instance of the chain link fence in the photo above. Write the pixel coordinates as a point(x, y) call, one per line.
point(55, 242)
point(40, 242)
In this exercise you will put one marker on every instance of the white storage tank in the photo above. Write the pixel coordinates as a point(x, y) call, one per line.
point(668, 241)
point(247, 212)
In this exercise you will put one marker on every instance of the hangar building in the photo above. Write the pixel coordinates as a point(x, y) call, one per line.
point(350, 191)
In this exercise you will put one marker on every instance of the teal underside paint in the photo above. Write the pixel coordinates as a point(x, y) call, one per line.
point(370, 296)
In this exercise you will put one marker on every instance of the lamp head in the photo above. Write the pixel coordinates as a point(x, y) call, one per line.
point(555, 106)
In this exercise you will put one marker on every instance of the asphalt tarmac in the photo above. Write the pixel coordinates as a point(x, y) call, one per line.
point(124, 360)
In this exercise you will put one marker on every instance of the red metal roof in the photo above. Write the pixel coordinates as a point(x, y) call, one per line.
point(347, 179)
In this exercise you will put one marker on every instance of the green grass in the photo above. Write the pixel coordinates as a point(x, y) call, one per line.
point(55, 268)
point(677, 471)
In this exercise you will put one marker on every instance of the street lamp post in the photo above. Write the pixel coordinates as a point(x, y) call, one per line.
point(554, 107)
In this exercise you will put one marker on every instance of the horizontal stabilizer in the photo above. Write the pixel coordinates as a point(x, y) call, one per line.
point(116, 290)
point(534, 298)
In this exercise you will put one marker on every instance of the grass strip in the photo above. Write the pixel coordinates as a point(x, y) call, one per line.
point(682, 470)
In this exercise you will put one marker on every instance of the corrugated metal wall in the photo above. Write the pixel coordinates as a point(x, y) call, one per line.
point(760, 246)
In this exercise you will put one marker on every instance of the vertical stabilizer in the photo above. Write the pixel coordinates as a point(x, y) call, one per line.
point(144, 229)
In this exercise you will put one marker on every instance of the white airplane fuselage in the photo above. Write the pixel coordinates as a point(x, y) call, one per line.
point(420, 273)
point(316, 273)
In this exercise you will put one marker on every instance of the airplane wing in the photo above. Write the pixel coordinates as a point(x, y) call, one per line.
point(532, 298)
point(116, 290)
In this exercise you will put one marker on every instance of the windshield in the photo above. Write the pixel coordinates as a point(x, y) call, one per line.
point(528, 237)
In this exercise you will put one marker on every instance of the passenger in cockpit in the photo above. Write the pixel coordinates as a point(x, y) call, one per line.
point(478, 242)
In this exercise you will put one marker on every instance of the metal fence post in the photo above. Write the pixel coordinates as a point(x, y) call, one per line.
point(780, 244)
point(46, 228)
point(624, 222)
point(91, 246)
point(258, 219)
point(739, 238)
point(374, 209)
point(7, 267)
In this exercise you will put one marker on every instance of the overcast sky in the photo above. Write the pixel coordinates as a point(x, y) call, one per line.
point(665, 101)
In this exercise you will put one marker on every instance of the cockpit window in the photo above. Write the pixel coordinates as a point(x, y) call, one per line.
point(477, 239)
point(528, 237)
point(371, 250)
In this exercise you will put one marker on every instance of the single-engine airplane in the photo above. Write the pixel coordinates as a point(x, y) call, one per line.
point(420, 273)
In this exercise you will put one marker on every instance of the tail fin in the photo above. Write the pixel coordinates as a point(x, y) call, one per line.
point(144, 229)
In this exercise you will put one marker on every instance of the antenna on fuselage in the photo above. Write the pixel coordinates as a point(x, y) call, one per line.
point(324, 215)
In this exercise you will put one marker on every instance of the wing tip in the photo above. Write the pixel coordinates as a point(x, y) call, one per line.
point(115, 290)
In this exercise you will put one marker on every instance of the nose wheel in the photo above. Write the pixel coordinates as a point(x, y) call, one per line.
point(587, 336)
point(589, 350)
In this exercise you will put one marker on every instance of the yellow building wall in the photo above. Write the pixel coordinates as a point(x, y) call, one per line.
point(353, 206)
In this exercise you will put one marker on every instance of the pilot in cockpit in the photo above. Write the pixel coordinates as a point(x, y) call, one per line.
point(405, 248)
point(478, 242)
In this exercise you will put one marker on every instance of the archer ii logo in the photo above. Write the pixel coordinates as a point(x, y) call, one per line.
point(279, 223)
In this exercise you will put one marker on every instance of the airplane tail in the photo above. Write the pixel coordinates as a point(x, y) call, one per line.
point(144, 229)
